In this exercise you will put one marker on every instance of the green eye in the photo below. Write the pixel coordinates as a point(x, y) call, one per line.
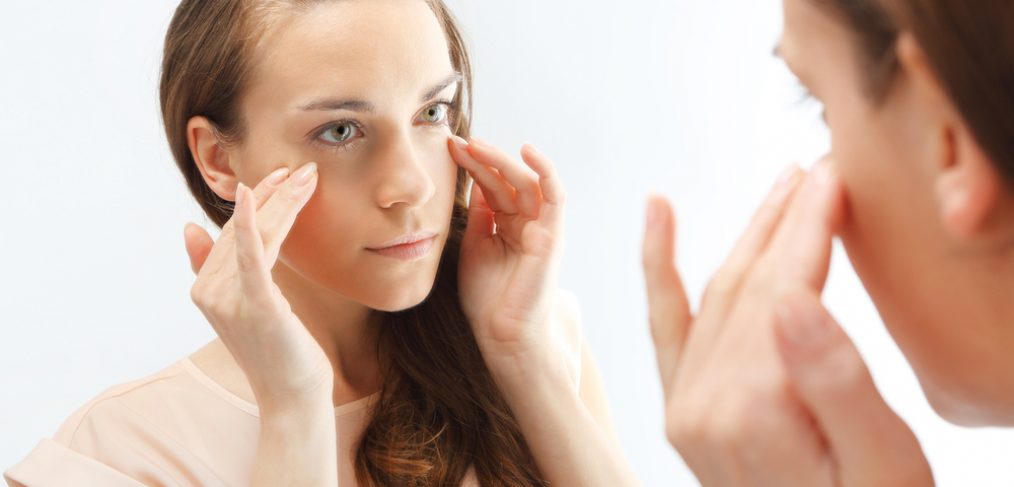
point(339, 133)
point(434, 114)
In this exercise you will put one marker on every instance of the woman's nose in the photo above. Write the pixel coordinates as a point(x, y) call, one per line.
point(404, 177)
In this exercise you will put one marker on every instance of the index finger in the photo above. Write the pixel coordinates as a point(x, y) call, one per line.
point(202, 248)
point(801, 248)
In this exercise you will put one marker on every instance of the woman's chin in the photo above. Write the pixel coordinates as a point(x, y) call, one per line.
point(400, 297)
point(962, 405)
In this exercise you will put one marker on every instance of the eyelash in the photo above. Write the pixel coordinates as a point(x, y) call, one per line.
point(452, 113)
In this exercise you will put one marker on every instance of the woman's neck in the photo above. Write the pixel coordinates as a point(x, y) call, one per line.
point(345, 330)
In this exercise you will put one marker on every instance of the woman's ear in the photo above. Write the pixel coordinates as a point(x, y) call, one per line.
point(968, 187)
point(213, 159)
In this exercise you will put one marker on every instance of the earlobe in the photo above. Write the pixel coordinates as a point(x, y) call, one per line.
point(211, 157)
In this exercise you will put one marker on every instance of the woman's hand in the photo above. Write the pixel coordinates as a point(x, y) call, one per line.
point(510, 253)
point(761, 386)
point(234, 290)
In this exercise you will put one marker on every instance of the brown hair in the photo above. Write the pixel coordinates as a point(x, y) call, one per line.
point(970, 46)
point(439, 410)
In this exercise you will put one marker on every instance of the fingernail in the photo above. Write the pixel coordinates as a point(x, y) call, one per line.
point(276, 178)
point(305, 174)
point(460, 142)
point(803, 322)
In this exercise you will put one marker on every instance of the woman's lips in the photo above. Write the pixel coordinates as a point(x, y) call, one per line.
point(409, 247)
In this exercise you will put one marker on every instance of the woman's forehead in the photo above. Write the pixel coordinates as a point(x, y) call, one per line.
point(367, 49)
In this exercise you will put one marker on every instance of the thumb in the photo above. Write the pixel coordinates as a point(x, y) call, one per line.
point(869, 444)
point(198, 244)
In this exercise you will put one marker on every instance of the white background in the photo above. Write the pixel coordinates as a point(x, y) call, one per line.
point(679, 97)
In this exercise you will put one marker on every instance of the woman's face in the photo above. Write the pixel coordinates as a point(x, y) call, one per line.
point(363, 88)
point(928, 285)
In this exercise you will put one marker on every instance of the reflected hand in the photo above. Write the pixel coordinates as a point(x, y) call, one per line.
point(762, 387)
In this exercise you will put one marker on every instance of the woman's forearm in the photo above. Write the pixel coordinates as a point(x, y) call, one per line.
point(298, 446)
point(569, 446)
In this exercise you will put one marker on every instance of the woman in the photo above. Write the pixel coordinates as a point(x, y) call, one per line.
point(346, 353)
point(763, 388)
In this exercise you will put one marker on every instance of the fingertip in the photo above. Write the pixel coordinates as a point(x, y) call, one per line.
point(659, 237)
point(658, 211)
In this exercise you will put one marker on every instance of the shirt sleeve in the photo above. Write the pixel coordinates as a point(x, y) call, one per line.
point(53, 464)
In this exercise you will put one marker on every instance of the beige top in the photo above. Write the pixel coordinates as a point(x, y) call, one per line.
point(175, 427)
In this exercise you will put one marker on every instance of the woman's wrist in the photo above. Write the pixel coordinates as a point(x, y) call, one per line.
point(307, 403)
point(535, 374)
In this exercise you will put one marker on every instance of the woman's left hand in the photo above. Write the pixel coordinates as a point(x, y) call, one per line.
point(510, 254)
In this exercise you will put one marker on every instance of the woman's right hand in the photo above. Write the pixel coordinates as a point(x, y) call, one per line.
point(234, 290)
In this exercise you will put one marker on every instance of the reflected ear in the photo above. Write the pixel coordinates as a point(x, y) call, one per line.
point(968, 188)
point(212, 157)
point(967, 183)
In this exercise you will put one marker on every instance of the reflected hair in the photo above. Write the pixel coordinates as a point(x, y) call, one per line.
point(968, 44)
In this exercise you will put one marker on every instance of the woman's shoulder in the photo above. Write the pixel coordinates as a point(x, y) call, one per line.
point(111, 402)
point(161, 428)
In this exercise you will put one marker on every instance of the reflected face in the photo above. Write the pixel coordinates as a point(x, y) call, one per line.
point(917, 274)
point(365, 89)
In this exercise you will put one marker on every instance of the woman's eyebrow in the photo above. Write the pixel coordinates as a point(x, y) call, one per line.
point(331, 104)
point(334, 105)
point(441, 86)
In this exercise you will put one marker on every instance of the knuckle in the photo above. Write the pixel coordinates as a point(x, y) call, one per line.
point(845, 370)
point(683, 428)
point(690, 423)
point(197, 296)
